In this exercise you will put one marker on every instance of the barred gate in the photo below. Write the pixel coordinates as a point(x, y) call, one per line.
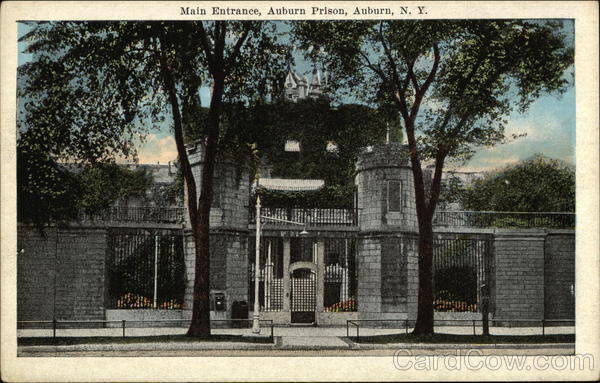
point(146, 269)
point(340, 273)
point(303, 295)
point(461, 271)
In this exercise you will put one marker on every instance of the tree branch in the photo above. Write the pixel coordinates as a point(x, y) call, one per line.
point(436, 182)
point(206, 46)
point(374, 68)
point(400, 85)
point(412, 77)
point(419, 96)
point(169, 87)
point(236, 49)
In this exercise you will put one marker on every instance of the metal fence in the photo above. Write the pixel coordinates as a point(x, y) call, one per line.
point(461, 269)
point(146, 269)
point(341, 276)
point(501, 219)
point(310, 216)
point(477, 325)
point(122, 325)
point(154, 214)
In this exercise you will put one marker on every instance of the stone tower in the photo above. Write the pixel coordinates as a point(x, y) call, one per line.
point(387, 245)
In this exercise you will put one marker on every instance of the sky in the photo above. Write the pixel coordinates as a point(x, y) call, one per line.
point(549, 124)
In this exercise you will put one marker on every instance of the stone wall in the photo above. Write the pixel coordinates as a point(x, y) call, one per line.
point(519, 275)
point(61, 274)
point(369, 276)
point(559, 275)
point(228, 267)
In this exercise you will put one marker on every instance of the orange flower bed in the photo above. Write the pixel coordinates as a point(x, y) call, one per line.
point(453, 306)
point(343, 306)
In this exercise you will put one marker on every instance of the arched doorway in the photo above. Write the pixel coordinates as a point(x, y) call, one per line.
point(303, 292)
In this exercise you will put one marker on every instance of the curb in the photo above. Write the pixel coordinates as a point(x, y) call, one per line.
point(437, 346)
point(206, 346)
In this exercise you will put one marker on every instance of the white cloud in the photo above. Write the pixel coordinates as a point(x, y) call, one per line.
point(157, 149)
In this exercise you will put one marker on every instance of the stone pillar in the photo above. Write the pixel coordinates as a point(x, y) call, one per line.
point(387, 242)
point(320, 258)
point(286, 273)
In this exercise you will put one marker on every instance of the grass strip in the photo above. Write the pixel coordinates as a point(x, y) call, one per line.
point(466, 339)
point(72, 340)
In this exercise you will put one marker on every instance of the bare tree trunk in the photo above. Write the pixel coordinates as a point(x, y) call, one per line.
point(200, 325)
point(424, 324)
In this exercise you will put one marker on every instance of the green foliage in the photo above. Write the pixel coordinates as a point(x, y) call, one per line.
point(313, 123)
point(455, 81)
point(93, 89)
point(539, 184)
point(48, 191)
point(103, 184)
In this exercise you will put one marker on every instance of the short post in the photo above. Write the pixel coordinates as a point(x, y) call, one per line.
point(543, 327)
point(123, 323)
point(474, 331)
point(54, 327)
point(485, 310)
point(406, 326)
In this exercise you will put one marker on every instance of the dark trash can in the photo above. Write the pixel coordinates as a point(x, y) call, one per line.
point(239, 310)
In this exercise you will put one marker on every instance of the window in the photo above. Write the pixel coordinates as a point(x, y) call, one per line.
point(394, 195)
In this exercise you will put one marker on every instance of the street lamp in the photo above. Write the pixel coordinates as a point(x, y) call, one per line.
point(259, 218)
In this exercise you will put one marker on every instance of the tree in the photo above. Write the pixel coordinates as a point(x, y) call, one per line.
point(453, 83)
point(94, 87)
point(538, 184)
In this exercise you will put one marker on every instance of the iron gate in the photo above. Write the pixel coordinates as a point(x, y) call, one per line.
point(461, 272)
point(303, 295)
point(146, 269)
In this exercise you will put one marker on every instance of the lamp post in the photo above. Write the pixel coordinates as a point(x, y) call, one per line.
point(256, 312)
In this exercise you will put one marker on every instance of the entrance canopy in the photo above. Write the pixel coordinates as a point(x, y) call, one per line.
point(289, 185)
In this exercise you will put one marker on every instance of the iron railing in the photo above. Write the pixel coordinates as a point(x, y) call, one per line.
point(466, 322)
point(154, 214)
point(500, 219)
point(55, 324)
point(310, 216)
